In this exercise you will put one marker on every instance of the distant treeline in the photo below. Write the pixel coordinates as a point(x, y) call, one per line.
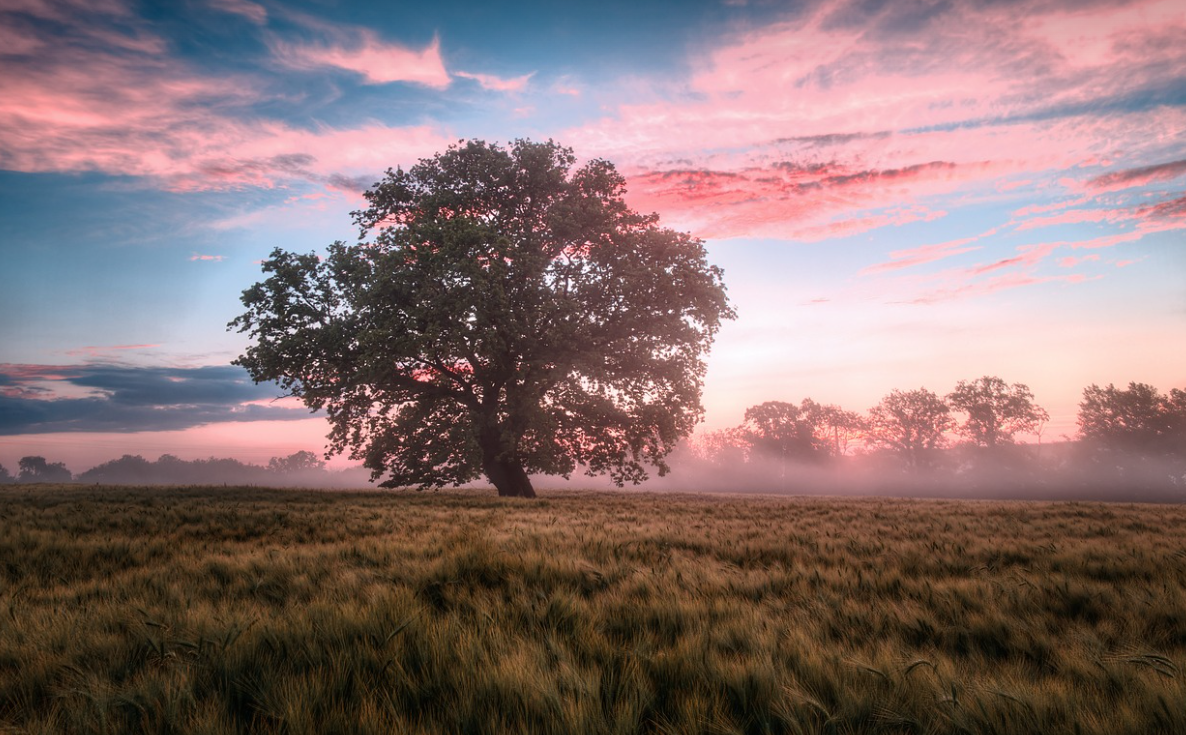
point(986, 413)
point(1130, 438)
point(302, 468)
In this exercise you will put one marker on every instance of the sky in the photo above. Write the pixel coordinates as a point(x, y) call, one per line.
point(902, 194)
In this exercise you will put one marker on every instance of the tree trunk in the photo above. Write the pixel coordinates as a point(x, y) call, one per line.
point(509, 478)
point(502, 468)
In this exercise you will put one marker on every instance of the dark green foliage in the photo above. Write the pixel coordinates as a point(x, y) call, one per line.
point(809, 432)
point(510, 316)
point(37, 469)
point(237, 610)
point(297, 462)
point(779, 430)
point(1139, 419)
point(303, 468)
point(995, 410)
point(134, 469)
point(911, 424)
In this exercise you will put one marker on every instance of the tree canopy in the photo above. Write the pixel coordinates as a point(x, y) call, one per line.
point(509, 315)
point(778, 430)
point(910, 423)
point(996, 411)
point(808, 432)
point(1139, 418)
point(37, 469)
point(298, 462)
point(832, 427)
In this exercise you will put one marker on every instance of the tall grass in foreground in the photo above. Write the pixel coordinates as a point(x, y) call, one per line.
point(203, 610)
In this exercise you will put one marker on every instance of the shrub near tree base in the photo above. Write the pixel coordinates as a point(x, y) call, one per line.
point(510, 316)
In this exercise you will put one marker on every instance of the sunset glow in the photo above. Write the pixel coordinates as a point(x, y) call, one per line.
point(900, 195)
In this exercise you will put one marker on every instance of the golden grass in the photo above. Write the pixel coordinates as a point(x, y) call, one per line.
point(236, 610)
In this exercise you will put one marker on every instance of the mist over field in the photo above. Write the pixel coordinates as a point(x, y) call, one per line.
point(1064, 475)
point(1131, 447)
point(1062, 471)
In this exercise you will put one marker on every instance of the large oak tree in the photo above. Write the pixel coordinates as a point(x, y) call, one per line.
point(509, 315)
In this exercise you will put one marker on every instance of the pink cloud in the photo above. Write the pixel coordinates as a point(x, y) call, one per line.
point(1052, 207)
point(1023, 269)
point(1174, 208)
point(795, 200)
point(362, 52)
point(66, 9)
point(1006, 263)
point(214, 258)
point(18, 42)
point(1027, 265)
point(1142, 219)
point(265, 156)
point(21, 372)
point(1074, 216)
point(118, 103)
point(1091, 37)
point(925, 254)
point(141, 114)
point(1011, 185)
point(95, 351)
point(962, 105)
point(895, 217)
point(960, 290)
point(809, 129)
point(497, 84)
point(1072, 261)
point(1138, 176)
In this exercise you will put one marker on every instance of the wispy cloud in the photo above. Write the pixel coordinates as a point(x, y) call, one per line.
point(95, 351)
point(253, 11)
point(1167, 210)
point(115, 101)
point(1139, 176)
point(899, 259)
point(963, 95)
point(796, 200)
point(1030, 264)
point(566, 87)
point(361, 51)
point(1071, 261)
point(497, 84)
point(847, 118)
point(961, 289)
point(214, 258)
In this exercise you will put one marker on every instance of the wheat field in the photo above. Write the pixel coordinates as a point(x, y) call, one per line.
point(246, 610)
